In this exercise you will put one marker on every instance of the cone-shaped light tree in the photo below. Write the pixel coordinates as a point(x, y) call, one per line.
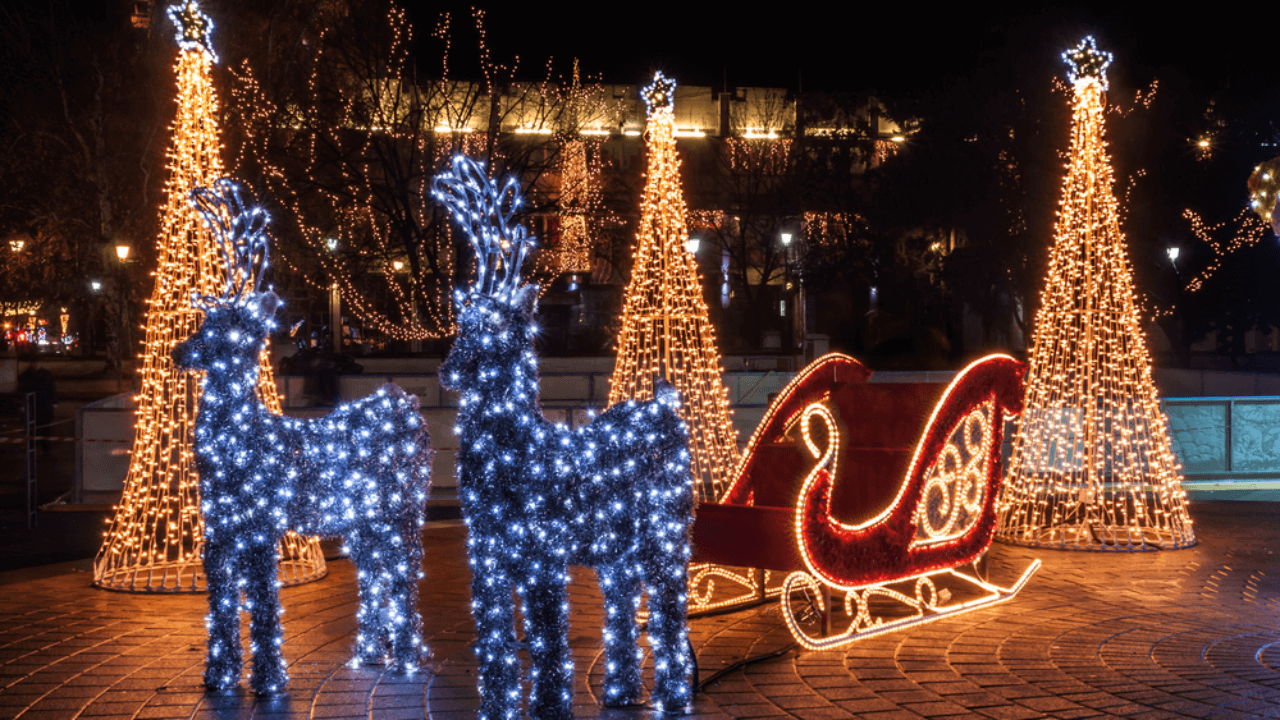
point(666, 329)
point(153, 542)
point(1092, 466)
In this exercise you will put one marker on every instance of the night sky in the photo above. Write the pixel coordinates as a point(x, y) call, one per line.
point(892, 48)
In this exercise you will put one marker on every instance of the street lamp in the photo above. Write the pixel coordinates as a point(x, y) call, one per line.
point(1173, 252)
point(785, 237)
point(16, 245)
point(692, 245)
point(122, 252)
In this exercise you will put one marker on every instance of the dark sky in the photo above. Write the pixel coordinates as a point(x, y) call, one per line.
point(893, 48)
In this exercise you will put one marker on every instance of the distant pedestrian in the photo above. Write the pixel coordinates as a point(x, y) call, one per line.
point(37, 379)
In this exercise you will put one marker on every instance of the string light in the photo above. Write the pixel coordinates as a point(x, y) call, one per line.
point(1264, 189)
point(1086, 63)
point(666, 331)
point(153, 540)
point(1249, 231)
point(1092, 464)
point(615, 495)
point(361, 473)
point(942, 518)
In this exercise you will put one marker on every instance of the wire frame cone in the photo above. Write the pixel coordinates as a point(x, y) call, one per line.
point(1092, 467)
point(666, 328)
point(153, 543)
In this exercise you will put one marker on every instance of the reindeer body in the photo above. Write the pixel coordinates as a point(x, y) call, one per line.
point(361, 473)
point(616, 496)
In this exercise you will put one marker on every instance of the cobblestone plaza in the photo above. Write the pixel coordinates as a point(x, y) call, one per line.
point(1188, 633)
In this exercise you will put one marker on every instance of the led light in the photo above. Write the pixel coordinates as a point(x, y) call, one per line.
point(615, 495)
point(666, 330)
point(153, 542)
point(361, 473)
point(1092, 465)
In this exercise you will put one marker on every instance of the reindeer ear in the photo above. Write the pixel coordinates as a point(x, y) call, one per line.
point(268, 303)
point(526, 299)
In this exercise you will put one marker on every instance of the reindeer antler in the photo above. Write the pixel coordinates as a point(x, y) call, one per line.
point(240, 229)
point(485, 214)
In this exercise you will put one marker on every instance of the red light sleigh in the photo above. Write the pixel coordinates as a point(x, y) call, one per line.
point(884, 491)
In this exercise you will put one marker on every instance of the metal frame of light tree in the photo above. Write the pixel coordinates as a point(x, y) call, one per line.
point(1092, 467)
point(153, 543)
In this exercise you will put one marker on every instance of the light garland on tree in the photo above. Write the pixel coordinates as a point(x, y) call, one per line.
point(153, 542)
point(1264, 189)
point(536, 497)
point(1092, 463)
point(361, 473)
point(666, 330)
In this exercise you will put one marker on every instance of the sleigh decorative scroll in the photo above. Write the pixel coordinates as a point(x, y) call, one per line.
point(883, 491)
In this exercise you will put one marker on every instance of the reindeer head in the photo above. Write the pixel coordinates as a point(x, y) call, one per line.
point(237, 322)
point(495, 315)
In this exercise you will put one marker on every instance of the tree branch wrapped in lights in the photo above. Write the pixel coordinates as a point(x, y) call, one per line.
point(361, 473)
point(616, 495)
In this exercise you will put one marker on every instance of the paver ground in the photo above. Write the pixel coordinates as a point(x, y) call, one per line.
point(1186, 633)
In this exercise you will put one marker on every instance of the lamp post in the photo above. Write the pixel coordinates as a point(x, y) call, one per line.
point(800, 319)
point(122, 296)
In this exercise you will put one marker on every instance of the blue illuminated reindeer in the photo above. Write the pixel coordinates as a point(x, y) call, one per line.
point(616, 495)
point(361, 473)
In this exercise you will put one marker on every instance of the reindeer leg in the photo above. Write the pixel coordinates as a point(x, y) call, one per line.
point(224, 659)
point(622, 593)
point(546, 632)
point(371, 641)
point(266, 634)
point(407, 650)
point(495, 643)
point(669, 634)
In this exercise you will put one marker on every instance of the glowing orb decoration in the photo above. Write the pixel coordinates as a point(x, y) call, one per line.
point(616, 495)
point(1264, 184)
point(361, 473)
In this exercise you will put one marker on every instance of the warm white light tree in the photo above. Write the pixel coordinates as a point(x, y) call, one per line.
point(1092, 466)
point(666, 329)
point(153, 543)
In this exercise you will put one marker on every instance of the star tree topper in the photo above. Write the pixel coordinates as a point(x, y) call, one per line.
point(1086, 61)
point(661, 93)
point(195, 29)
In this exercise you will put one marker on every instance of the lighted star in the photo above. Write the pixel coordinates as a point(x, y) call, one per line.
point(195, 29)
point(661, 93)
point(1086, 61)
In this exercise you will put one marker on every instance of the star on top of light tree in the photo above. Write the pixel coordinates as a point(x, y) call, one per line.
point(1087, 61)
point(661, 93)
point(195, 29)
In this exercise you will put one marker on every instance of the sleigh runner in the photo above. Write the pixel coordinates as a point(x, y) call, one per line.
point(883, 491)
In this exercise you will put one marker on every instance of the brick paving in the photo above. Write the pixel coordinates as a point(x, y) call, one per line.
point(1188, 633)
